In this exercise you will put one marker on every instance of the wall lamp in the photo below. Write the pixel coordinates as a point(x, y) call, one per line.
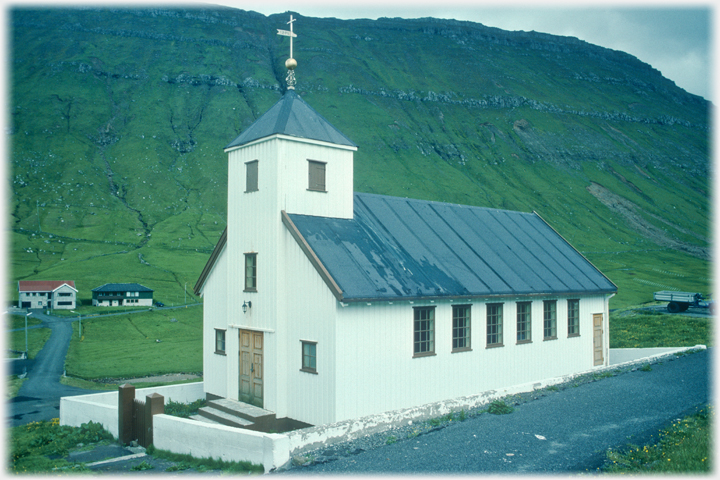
point(246, 305)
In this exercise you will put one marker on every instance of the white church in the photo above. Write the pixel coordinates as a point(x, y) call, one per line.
point(322, 304)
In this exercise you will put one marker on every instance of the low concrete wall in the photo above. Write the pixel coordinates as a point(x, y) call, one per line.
point(204, 440)
point(98, 408)
point(103, 407)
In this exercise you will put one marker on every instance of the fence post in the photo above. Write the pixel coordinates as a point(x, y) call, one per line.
point(126, 396)
point(154, 404)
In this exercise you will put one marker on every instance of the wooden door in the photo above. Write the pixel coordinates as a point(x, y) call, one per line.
point(251, 367)
point(598, 339)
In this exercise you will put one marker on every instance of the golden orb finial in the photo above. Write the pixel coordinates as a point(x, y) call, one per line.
point(290, 63)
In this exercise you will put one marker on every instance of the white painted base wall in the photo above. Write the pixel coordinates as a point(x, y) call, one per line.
point(103, 407)
point(204, 440)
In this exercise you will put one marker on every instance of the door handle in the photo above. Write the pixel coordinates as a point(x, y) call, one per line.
point(252, 367)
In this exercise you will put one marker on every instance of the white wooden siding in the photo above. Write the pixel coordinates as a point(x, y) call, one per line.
point(255, 226)
point(310, 313)
point(376, 370)
point(215, 316)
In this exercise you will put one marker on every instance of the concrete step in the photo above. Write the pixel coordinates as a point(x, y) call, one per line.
point(224, 418)
point(200, 418)
point(242, 410)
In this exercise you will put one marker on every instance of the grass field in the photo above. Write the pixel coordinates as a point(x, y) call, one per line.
point(631, 329)
point(138, 344)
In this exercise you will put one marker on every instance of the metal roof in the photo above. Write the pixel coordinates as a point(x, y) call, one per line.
point(399, 248)
point(43, 285)
point(122, 287)
point(292, 116)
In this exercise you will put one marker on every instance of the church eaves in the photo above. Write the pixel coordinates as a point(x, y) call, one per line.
point(293, 117)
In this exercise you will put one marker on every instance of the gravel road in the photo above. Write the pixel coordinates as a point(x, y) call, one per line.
point(563, 431)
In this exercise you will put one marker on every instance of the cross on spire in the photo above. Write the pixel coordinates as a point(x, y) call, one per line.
point(290, 63)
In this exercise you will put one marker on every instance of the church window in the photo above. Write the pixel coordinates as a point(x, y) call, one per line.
point(494, 325)
point(461, 328)
point(524, 322)
point(251, 176)
point(220, 341)
point(550, 319)
point(573, 318)
point(424, 331)
point(251, 272)
point(309, 357)
point(316, 175)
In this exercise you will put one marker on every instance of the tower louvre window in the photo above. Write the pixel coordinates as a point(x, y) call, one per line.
point(316, 176)
point(251, 176)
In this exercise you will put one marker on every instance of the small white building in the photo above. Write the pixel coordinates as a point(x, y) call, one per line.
point(54, 294)
point(321, 304)
point(122, 295)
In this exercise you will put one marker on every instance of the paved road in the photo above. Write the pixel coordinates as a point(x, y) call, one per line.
point(565, 431)
point(39, 397)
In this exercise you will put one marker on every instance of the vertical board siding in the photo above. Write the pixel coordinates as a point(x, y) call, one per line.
point(215, 316)
point(377, 372)
point(310, 316)
point(337, 199)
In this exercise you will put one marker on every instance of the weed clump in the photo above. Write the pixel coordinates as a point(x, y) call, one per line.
point(499, 407)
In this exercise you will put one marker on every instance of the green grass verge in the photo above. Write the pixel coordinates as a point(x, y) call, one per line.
point(647, 330)
point(684, 447)
point(36, 336)
point(126, 346)
point(185, 462)
point(33, 445)
point(13, 386)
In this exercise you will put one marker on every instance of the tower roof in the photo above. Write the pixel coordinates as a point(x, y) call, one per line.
point(292, 116)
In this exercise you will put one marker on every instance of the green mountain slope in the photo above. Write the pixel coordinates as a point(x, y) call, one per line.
point(119, 118)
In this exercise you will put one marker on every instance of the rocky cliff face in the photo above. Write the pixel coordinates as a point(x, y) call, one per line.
point(119, 116)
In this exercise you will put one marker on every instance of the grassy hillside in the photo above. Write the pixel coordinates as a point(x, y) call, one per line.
point(119, 118)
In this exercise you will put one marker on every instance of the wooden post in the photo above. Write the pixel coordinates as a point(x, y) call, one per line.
point(126, 396)
point(154, 404)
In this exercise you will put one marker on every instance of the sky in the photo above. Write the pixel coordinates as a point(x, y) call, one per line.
point(675, 38)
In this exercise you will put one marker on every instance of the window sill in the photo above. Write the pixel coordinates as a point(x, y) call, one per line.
point(307, 370)
point(251, 191)
point(221, 353)
point(424, 354)
point(250, 290)
point(549, 338)
point(522, 342)
point(316, 190)
point(571, 335)
point(458, 350)
point(495, 345)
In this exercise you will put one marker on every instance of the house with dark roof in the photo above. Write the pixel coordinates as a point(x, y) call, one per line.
point(53, 294)
point(122, 295)
point(321, 304)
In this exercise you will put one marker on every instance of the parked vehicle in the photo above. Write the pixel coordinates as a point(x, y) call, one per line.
point(681, 301)
point(159, 304)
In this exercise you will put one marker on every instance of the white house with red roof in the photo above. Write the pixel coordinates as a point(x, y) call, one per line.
point(54, 294)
